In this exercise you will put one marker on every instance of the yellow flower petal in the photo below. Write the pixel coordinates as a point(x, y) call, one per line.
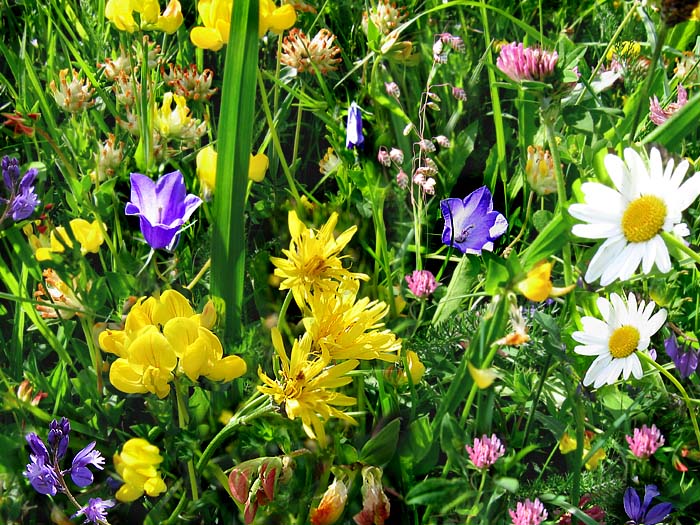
point(537, 285)
point(257, 167)
point(227, 369)
point(126, 378)
point(88, 234)
point(206, 168)
point(171, 19)
point(483, 377)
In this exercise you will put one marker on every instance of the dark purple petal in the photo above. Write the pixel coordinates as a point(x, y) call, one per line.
point(23, 205)
point(25, 185)
point(632, 504)
point(59, 435)
point(650, 492)
point(684, 357)
point(658, 513)
point(79, 473)
point(38, 447)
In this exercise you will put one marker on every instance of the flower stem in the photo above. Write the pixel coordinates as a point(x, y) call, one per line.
point(183, 419)
point(679, 387)
point(674, 242)
point(199, 275)
point(479, 493)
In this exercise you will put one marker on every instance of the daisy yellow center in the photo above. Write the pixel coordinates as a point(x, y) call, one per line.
point(643, 218)
point(623, 341)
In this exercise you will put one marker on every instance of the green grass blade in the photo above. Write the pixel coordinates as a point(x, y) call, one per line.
point(234, 147)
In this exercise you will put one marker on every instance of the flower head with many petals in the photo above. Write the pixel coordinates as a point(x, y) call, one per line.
point(526, 63)
point(137, 464)
point(485, 451)
point(162, 206)
point(305, 386)
point(528, 513)
point(471, 224)
point(625, 329)
point(647, 200)
point(313, 262)
point(21, 200)
point(645, 441)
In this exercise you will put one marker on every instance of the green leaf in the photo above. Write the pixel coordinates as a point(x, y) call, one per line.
point(435, 491)
point(464, 274)
point(508, 484)
point(380, 449)
point(550, 240)
point(420, 439)
point(541, 218)
point(497, 274)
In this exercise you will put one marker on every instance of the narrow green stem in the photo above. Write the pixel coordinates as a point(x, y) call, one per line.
point(679, 387)
point(530, 417)
point(579, 419)
point(95, 353)
point(241, 418)
point(479, 493)
point(675, 242)
point(276, 140)
point(199, 275)
point(643, 99)
point(183, 419)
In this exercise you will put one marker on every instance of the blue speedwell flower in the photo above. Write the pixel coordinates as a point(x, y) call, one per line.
point(353, 136)
point(162, 206)
point(639, 511)
point(471, 225)
point(21, 201)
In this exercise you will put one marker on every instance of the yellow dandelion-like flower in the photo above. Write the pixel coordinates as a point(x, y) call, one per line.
point(313, 263)
point(305, 386)
point(347, 328)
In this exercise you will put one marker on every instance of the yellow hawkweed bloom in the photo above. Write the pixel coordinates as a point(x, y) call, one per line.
point(537, 286)
point(216, 17)
point(313, 263)
point(121, 14)
point(305, 386)
point(349, 329)
point(138, 467)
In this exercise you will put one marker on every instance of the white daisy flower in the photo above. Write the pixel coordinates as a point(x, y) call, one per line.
point(647, 200)
point(624, 330)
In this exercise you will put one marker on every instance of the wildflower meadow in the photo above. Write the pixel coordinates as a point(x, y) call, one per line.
point(390, 262)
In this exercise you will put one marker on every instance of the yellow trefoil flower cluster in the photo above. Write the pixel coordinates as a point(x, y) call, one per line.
point(216, 17)
point(206, 168)
point(339, 328)
point(88, 234)
point(163, 337)
point(137, 464)
point(121, 14)
point(177, 123)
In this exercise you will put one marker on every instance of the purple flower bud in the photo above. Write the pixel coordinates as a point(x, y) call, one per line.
point(684, 357)
point(354, 137)
point(59, 436)
point(38, 447)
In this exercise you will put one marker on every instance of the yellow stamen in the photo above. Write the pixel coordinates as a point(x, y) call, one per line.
point(643, 218)
point(623, 341)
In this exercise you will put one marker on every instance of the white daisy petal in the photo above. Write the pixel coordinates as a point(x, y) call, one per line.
point(591, 349)
point(616, 169)
point(603, 307)
point(656, 322)
point(663, 259)
point(678, 173)
point(689, 191)
point(636, 366)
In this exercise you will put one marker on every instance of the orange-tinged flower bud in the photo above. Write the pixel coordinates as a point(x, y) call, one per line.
point(332, 504)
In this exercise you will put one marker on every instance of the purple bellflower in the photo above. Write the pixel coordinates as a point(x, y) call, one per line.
point(684, 357)
point(162, 206)
point(353, 135)
point(95, 511)
point(639, 511)
point(470, 223)
point(21, 200)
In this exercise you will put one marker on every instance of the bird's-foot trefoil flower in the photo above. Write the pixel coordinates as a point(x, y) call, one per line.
point(332, 504)
point(537, 285)
point(162, 206)
point(471, 224)
point(648, 199)
point(375, 505)
point(137, 464)
point(625, 329)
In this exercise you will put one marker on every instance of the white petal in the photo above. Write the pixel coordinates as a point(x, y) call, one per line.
point(689, 191)
point(616, 169)
point(603, 307)
point(649, 256)
point(593, 326)
point(600, 230)
point(679, 173)
point(656, 322)
point(663, 259)
point(680, 230)
point(606, 255)
point(655, 165)
point(594, 349)
point(635, 366)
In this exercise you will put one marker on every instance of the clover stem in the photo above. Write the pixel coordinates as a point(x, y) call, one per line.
point(183, 420)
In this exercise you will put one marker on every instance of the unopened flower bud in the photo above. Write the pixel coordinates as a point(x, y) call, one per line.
point(402, 179)
point(429, 186)
point(407, 130)
point(383, 157)
point(396, 155)
point(426, 146)
point(332, 504)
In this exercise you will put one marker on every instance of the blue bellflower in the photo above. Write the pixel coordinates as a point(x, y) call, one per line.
point(470, 223)
point(162, 206)
point(353, 135)
point(639, 511)
point(95, 511)
point(684, 357)
point(21, 200)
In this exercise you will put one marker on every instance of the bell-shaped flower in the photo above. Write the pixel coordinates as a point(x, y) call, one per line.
point(353, 133)
point(149, 367)
point(137, 464)
point(163, 207)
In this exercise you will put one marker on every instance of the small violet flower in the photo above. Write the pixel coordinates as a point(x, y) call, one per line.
point(485, 451)
point(40, 472)
point(639, 511)
point(79, 473)
point(163, 207)
point(95, 511)
point(422, 283)
point(21, 201)
point(353, 136)
point(470, 223)
point(645, 441)
point(59, 436)
point(684, 357)
point(528, 513)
